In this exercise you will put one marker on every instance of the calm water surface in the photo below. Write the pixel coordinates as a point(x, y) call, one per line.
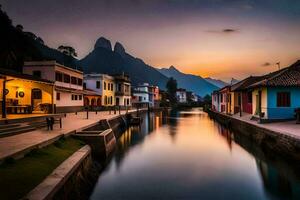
point(186, 155)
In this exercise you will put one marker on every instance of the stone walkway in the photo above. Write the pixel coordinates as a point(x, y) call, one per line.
point(288, 128)
point(15, 146)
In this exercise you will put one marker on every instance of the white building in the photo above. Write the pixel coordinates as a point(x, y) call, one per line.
point(181, 95)
point(68, 83)
point(141, 95)
point(102, 84)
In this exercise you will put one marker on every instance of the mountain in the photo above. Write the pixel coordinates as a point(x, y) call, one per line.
point(190, 82)
point(104, 59)
point(216, 82)
point(18, 46)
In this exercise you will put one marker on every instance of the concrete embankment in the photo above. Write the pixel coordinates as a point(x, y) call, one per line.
point(73, 172)
point(270, 141)
point(76, 176)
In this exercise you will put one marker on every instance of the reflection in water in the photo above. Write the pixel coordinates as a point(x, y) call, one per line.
point(186, 155)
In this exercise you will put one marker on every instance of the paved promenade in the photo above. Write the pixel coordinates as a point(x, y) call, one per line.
point(287, 128)
point(13, 145)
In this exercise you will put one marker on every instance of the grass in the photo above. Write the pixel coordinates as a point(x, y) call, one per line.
point(19, 177)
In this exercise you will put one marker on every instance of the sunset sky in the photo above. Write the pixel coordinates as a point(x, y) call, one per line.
point(217, 38)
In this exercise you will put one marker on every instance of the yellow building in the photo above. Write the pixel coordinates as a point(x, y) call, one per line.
point(25, 94)
point(102, 84)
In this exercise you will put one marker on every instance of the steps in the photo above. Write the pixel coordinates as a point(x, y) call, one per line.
point(13, 129)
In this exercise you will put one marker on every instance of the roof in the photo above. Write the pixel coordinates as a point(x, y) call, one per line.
point(224, 89)
point(244, 84)
point(90, 92)
point(23, 76)
point(289, 76)
point(48, 63)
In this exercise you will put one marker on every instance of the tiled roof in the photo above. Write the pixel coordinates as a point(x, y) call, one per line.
point(289, 76)
point(244, 84)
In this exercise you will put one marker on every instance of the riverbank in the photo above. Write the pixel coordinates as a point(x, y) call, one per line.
point(18, 177)
point(281, 138)
point(42, 151)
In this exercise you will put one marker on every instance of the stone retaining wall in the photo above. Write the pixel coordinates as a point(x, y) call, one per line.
point(271, 141)
point(66, 180)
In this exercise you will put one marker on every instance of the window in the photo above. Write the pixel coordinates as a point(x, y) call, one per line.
point(73, 80)
point(80, 97)
point(58, 76)
point(105, 100)
point(75, 97)
point(111, 100)
point(66, 78)
point(84, 85)
point(79, 81)
point(98, 84)
point(104, 85)
point(119, 87)
point(58, 96)
point(108, 86)
point(221, 97)
point(72, 97)
point(112, 87)
point(283, 99)
point(37, 73)
point(140, 99)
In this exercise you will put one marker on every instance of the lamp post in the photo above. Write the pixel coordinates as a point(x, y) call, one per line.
point(4, 97)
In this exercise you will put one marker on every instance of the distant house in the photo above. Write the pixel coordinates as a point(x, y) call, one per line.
point(156, 96)
point(181, 95)
point(68, 83)
point(102, 84)
point(277, 95)
point(215, 101)
point(241, 95)
point(123, 90)
point(225, 99)
point(141, 95)
point(191, 96)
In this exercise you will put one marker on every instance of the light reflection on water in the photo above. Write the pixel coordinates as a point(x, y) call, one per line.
point(186, 155)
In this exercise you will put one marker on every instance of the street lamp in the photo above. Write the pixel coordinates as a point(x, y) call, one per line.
point(4, 95)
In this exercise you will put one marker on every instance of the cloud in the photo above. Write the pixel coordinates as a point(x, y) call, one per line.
point(229, 30)
point(266, 64)
point(224, 31)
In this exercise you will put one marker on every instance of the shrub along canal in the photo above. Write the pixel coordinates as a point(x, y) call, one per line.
point(187, 155)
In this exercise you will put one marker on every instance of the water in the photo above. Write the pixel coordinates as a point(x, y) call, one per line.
point(189, 156)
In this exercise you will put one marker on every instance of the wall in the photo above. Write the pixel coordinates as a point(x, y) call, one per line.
point(26, 86)
point(264, 99)
point(66, 100)
point(275, 112)
point(47, 72)
point(272, 142)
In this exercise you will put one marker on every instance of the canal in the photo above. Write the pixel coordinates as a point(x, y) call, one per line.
point(187, 155)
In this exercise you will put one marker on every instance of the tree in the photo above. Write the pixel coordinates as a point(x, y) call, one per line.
point(207, 99)
point(67, 50)
point(171, 90)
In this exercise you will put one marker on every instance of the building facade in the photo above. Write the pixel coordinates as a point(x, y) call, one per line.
point(122, 90)
point(181, 95)
point(277, 95)
point(102, 84)
point(68, 83)
point(142, 95)
point(25, 94)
